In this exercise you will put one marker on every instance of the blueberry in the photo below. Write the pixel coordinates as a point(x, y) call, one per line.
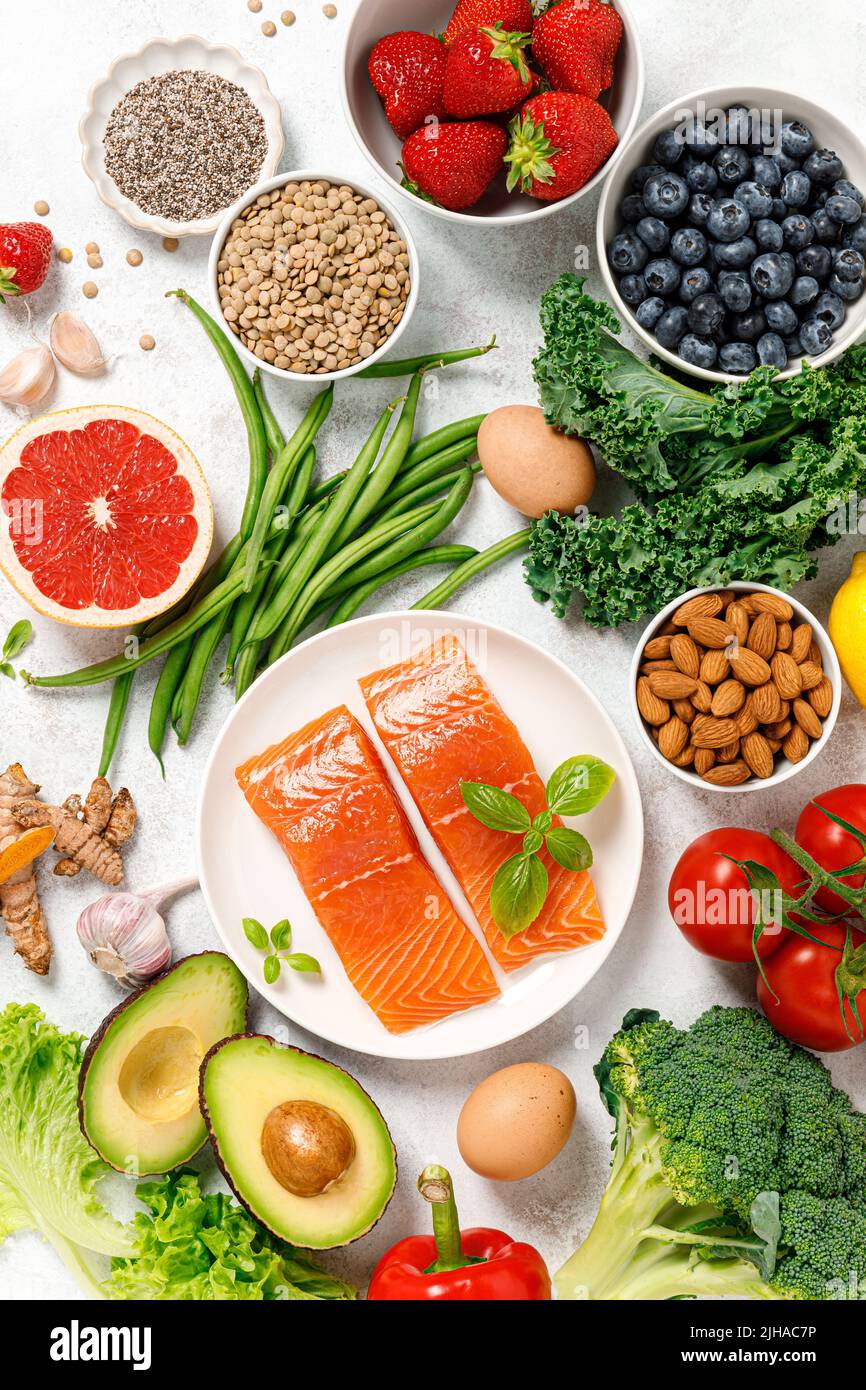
point(816, 336)
point(772, 351)
point(688, 246)
point(665, 194)
point(849, 264)
point(779, 210)
point(735, 290)
point(843, 209)
point(735, 255)
point(738, 358)
point(846, 189)
point(653, 233)
point(662, 276)
point(742, 129)
point(769, 235)
point(804, 291)
point(830, 310)
point(732, 165)
point(706, 314)
point(849, 290)
point(701, 178)
point(644, 172)
point(700, 138)
point(633, 289)
point(649, 313)
point(755, 198)
point(696, 281)
point(796, 190)
point(824, 166)
point(796, 140)
point(798, 231)
point(785, 163)
point(669, 148)
point(750, 325)
point(700, 208)
point(772, 276)
point(627, 253)
point(698, 350)
point(766, 172)
point(793, 346)
point(826, 230)
point(672, 327)
point(856, 236)
point(815, 260)
point(728, 220)
point(781, 317)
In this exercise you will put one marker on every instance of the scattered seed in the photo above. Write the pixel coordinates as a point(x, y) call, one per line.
point(89, 290)
point(329, 11)
point(95, 262)
point(92, 248)
point(64, 255)
point(146, 342)
point(41, 208)
point(170, 243)
point(254, 5)
point(269, 28)
point(134, 257)
point(287, 17)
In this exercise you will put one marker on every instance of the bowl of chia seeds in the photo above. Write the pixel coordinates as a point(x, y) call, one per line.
point(178, 132)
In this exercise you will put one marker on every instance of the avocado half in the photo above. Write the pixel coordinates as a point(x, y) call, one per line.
point(299, 1141)
point(138, 1087)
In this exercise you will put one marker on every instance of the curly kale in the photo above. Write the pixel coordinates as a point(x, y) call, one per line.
point(738, 1169)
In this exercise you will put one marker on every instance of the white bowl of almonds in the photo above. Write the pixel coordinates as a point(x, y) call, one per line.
point(313, 275)
point(736, 688)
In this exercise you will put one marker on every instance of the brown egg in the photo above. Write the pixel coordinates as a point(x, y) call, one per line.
point(533, 466)
point(516, 1122)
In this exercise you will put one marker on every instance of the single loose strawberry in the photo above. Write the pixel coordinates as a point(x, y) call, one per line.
point(25, 255)
point(475, 14)
point(408, 71)
point(558, 141)
point(576, 43)
point(454, 164)
point(486, 72)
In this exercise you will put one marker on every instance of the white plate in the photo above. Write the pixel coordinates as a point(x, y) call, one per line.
point(244, 872)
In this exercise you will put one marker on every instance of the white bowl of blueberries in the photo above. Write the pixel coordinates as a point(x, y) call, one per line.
point(732, 234)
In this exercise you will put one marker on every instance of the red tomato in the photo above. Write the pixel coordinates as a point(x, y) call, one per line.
point(803, 976)
point(830, 845)
point(709, 896)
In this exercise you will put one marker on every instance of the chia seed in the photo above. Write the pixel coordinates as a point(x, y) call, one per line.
point(185, 144)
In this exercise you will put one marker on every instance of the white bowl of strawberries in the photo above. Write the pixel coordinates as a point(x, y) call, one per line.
point(486, 112)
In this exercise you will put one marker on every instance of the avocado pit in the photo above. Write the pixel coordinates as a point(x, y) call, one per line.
point(307, 1147)
point(159, 1077)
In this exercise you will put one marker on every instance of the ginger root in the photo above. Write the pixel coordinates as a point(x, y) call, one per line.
point(19, 900)
point(89, 835)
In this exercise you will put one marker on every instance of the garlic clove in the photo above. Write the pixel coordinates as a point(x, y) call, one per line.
point(74, 345)
point(28, 377)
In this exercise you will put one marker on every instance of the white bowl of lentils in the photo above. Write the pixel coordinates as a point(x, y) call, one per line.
point(313, 275)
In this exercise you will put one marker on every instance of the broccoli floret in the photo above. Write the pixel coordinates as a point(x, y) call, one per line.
point(738, 1169)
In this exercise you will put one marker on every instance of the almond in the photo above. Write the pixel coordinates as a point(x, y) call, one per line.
point(702, 698)
point(729, 753)
point(686, 758)
point(713, 733)
point(654, 710)
point(671, 685)
point(780, 729)
point(758, 755)
point(663, 664)
point(726, 597)
point(796, 745)
point(746, 721)
point(821, 697)
point(728, 699)
point(786, 676)
point(673, 737)
point(714, 668)
point(669, 629)
point(801, 642)
point(807, 719)
point(784, 709)
point(762, 635)
point(684, 710)
point(815, 655)
point(748, 667)
point(810, 675)
point(738, 621)
point(705, 758)
point(727, 775)
point(773, 604)
point(657, 647)
point(766, 704)
point(747, 601)
point(701, 606)
point(774, 744)
point(784, 637)
point(710, 632)
point(685, 656)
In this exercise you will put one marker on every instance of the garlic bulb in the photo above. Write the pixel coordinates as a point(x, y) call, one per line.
point(28, 377)
point(124, 933)
point(74, 345)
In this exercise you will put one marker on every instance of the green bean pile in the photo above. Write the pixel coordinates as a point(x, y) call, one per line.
point(305, 550)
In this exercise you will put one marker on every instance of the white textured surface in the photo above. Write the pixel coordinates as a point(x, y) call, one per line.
point(476, 282)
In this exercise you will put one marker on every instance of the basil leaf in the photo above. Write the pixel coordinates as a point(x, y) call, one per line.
point(543, 822)
point(495, 808)
point(518, 893)
point(19, 636)
point(532, 841)
point(306, 965)
point(578, 785)
point(568, 848)
point(281, 936)
point(272, 970)
point(7, 670)
point(255, 933)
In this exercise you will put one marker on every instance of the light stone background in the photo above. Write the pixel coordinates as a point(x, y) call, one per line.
point(475, 283)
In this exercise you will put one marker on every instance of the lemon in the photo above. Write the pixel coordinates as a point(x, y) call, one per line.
point(848, 627)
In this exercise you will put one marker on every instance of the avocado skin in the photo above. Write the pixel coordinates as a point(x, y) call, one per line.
point(284, 1047)
point(97, 1038)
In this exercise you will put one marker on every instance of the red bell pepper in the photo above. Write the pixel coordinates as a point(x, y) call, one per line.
point(472, 1266)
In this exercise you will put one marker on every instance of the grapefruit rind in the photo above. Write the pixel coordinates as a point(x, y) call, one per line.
point(93, 616)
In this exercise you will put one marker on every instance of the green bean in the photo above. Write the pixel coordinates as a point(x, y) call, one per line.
point(202, 655)
point(120, 693)
point(433, 488)
point(281, 475)
point(385, 472)
point(256, 435)
point(170, 678)
point(323, 490)
point(443, 438)
point(433, 467)
point(409, 366)
point(352, 601)
point(273, 433)
point(456, 580)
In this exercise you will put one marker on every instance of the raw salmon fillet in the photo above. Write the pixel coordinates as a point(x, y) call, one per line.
point(442, 725)
point(325, 795)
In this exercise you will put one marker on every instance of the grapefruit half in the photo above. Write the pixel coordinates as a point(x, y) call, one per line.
point(105, 516)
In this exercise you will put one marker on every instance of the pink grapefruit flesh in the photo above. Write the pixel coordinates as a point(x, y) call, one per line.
point(106, 516)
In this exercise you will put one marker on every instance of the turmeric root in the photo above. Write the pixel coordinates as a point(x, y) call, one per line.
point(19, 900)
point(89, 835)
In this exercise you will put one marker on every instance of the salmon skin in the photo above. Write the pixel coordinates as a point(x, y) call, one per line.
point(442, 725)
point(325, 795)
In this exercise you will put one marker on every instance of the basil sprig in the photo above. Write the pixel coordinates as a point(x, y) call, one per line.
point(278, 944)
point(521, 884)
point(17, 639)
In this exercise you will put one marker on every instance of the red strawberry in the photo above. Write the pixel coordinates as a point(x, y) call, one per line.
point(25, 255)
point(486, 72)
point(558, 142)
point(576, 43)
point(408, 71)
point(475, 14)
point(454, 165)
